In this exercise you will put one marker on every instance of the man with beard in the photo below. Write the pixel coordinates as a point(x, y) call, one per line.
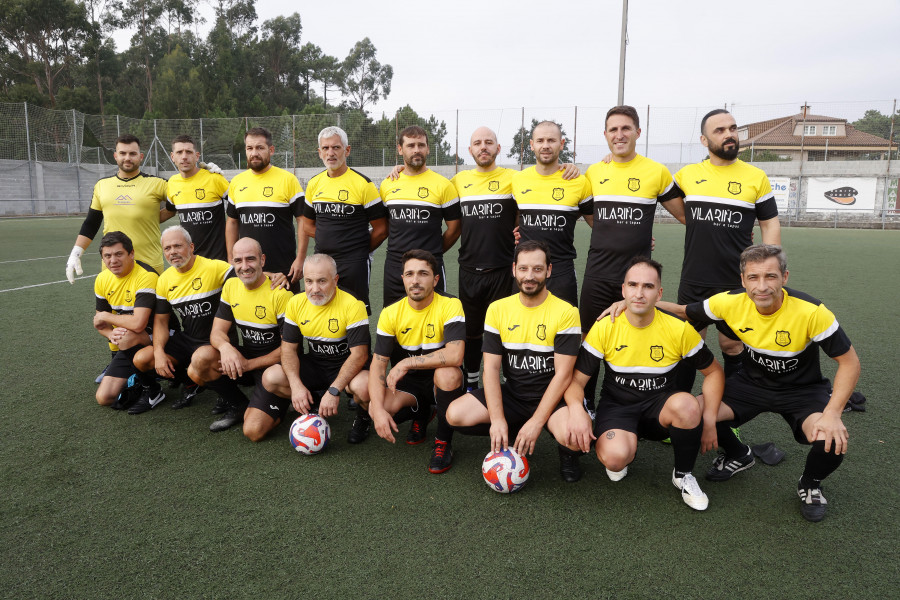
point(336, 329)
point(534, 337)
point(250, 305)
point(198, 195)
point(549, 207)
point(723, 198)
point(190, 289)
point(417, 203)
point(262, 201)
point(422, 336)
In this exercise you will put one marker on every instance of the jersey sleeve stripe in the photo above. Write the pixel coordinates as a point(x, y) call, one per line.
point(455, 319)
point(695, 349)
point(586, 199)
point(708, 311)
point(570, 331)
point(360, 323)
point(827, 333)
point(373, 202)
point(487, 328)
point(592, 350)
point(288, 321)
point(455, 200)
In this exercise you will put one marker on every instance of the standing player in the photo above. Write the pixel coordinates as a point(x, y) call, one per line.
point(342, 205)
point(336, 329)
point(262, 203)
point(198, 196)
point(639, 354)
point(422, 336)
point(125, 299)
point(129, 202)
point(534, 337)
point(417, 202)
point(190, 289)
point(251, 306)
point(723, 197)
point(549, 207)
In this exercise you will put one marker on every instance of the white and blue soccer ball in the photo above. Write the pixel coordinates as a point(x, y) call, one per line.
point(505, 471)
point(309, 434)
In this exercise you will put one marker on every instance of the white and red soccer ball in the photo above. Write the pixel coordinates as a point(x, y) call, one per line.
point(505, 471)
point(309, 434)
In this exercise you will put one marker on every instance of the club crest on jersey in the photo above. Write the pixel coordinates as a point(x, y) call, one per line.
point(333, 325)
point(260, 312)
point(196, 283)
point(783, 338)
point(558, 194)
point(343, 195)
point(656, 353)
point(128, 297)
point(429, 331)
point(634, 184)
point(734, 188)
point(200, 193)
point(493, 186)
point(541, 332)
point(268, 191)
point(423, 192)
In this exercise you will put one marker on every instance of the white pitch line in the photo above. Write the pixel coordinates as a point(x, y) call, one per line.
point(3, 262)
point(25, 287)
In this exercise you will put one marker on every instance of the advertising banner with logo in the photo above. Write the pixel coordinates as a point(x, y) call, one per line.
point(893, 197)
point(781, 187)
point(841, 193)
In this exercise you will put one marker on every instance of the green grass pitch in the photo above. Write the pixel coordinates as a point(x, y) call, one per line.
point(99, 504)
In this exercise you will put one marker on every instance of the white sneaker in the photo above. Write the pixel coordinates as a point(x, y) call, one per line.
point(617, 475)
point(691, 493)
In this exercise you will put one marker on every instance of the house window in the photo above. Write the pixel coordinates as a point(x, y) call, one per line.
point(829, 129)
point(809, 130)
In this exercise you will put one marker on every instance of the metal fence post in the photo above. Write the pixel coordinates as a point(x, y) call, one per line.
point(456, 152)
point(28, 153)
point(201, 140)
point(646, 137)
point(77, 160)
point(522, 141)
point(575, 138)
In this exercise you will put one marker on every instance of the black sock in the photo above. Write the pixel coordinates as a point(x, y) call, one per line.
point(148, 379)
point(733, 363)
point(229, 391)
point(472, 361)
point(590, 391)
point(362, 413)
point(405, 414)
point(685, 375)
point(820, 464)
point(443, 399)
point(729, 442)
point(563, 450)
point(686, 447)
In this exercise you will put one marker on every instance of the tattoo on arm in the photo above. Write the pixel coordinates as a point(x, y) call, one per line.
point(610, 434)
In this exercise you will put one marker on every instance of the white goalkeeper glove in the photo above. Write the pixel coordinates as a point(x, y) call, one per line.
point(73, 265)
point(211, 167)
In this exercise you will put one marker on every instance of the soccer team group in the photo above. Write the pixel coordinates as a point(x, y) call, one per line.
point(237, 263)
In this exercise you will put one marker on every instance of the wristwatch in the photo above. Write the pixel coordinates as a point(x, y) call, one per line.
point(334, 391)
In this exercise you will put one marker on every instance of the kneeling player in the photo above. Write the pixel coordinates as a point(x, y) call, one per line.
point(534, 337)
point(250, 305)
point(422, 335)
point(336, 329)
point(640, 354)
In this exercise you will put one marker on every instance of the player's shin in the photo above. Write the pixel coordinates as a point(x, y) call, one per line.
point(686, 447)
point(820, 464)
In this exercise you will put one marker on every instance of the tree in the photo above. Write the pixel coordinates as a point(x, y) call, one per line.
point(179, 90)
point(365, 80)
point(876, 123)
point(521, 144)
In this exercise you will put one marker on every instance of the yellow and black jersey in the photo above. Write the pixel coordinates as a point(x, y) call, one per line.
point(330, 330)
point(625, 197)
point(132, 207)
point(342, 208)
point(639, 362)
point(782, 348)
point(404, 331)
point(721, 205)
point(527, 338)
point(200, 204)
point(416, 206)
point(549, 207)
point(258, 314)
point(121, 295)
point(193, 295)
point(488, 218)
point(266, 206)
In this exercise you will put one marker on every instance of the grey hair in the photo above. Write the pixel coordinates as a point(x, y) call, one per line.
point(760, 252)
point(333, 131)
point(319, 258)
point(178, 229)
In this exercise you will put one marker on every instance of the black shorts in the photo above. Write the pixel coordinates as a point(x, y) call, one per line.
point(420, 389)
point(353, 278)
point(515, 410)
point(262, 399)
point(122, 363)
point(640, 418)
point(393, 289)
point(747, 400)
point(477, 289)
point(564, 283)
point(180, 347)
point(688, 293)
point(596, 296)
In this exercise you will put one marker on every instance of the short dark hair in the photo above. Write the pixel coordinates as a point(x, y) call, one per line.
point(184, 139)
point(554, 123)
point(411, 132)
point(259, 132)
point(712, 113)
point(625, 111)
point(127, 138)
point(116, 237)
point(645, 260)
point(424, 255)
point(532, 246)
point(760, 252)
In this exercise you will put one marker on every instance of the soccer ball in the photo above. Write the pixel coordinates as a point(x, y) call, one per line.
point(505, 471)
point(309, 434)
